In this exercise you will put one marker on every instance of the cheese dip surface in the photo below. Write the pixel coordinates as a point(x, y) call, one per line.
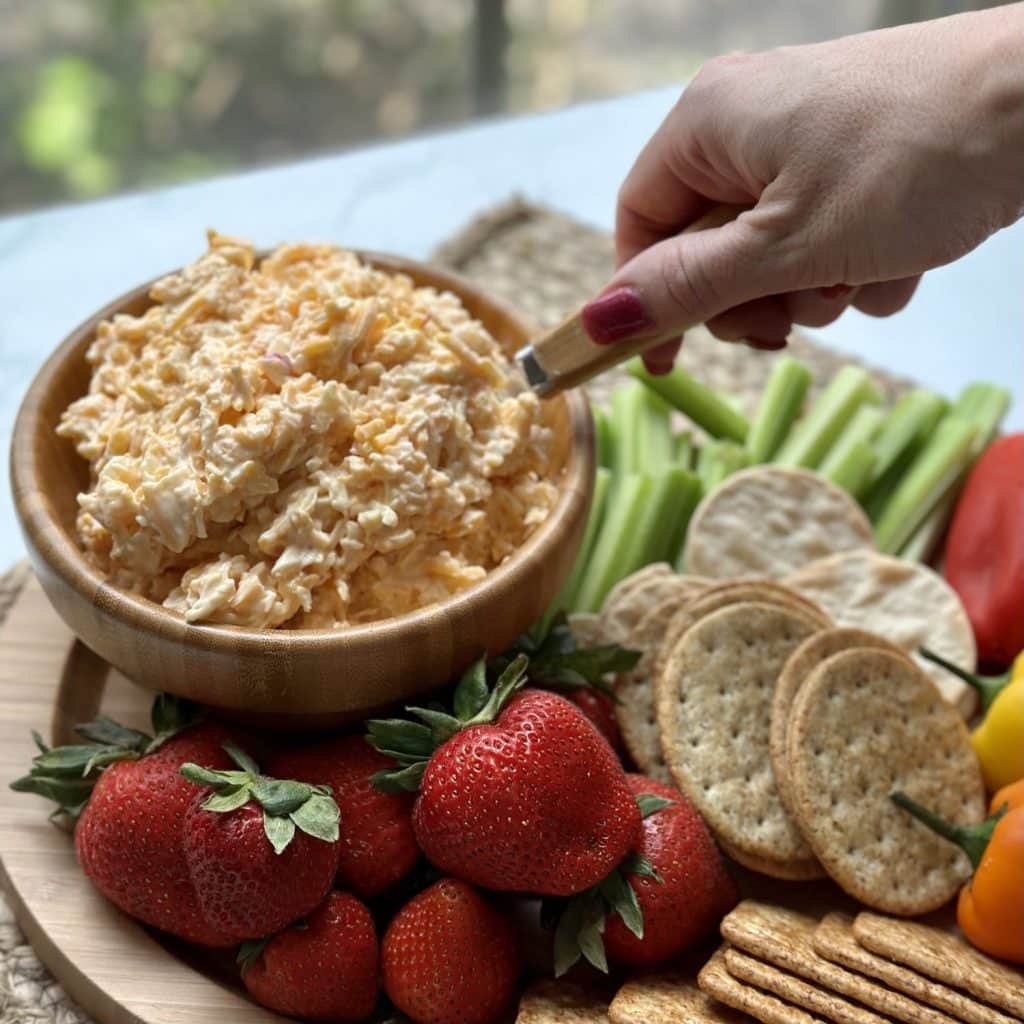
point(303, 441)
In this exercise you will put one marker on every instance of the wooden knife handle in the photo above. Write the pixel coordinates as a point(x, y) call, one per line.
point(566, 357)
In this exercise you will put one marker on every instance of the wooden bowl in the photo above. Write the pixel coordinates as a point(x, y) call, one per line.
point(304, 678)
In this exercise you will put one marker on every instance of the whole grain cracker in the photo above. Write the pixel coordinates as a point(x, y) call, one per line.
point(865, 724)
point(905, 602)
point(716, 981)
point(718, 596)
point(668, 999)
point(834, 939)
point(586, 629)
point(814, 650)
point(712, 706)
point(634, 710)
point(771, 520)
point(621, 590)
point(620, 619)
point(785, 938)
point(561, 1002)
point(944, 957)
point(797, 991)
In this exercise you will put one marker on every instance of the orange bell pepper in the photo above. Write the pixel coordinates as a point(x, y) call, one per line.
point(990, 909)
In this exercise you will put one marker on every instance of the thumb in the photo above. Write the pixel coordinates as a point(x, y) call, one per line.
point(690, 278)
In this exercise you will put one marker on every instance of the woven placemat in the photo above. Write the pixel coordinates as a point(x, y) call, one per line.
point(545, 265)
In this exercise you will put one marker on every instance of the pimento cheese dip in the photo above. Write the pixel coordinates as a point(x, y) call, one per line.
point(303, 441)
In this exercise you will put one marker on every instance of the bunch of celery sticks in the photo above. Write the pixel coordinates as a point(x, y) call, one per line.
point(905, 464)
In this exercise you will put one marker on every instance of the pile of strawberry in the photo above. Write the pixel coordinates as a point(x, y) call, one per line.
point(399, 862)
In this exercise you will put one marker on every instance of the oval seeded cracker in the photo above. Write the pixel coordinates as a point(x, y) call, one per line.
point(721, 594)
point(811, 653)
point(631, 598)
point(791, 871)
point(864, 725)
point(635, 690)
point(905, 602)
point(713, 704)
point(770, 520)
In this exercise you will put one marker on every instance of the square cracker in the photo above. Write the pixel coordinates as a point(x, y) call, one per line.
point(668, 999)
point(834, 939)
point(716, 981)
point(785, 938)
point(820, 1001)
point(944, 957)
point(561, 1002)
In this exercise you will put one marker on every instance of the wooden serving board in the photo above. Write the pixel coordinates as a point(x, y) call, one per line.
point(115, 969)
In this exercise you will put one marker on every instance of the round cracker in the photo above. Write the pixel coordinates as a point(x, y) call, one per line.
point(790, 871)
point(866, 724)
point(621, 619)
point(905, 602)
point(722, 594)
point(771, 520)
point(712, 706)
point(616, 626)
point(635, 689)
point(807, 657)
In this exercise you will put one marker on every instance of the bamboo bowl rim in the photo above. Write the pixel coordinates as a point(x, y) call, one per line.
point(60, 551)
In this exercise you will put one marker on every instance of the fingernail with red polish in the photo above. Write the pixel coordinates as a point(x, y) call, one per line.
point(767, 344)
point(616, 315)
point(835, 291)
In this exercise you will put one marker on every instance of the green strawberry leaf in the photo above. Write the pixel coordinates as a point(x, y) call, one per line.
point(650, 804)
point(567, 946)
point(404, 780)
point(41, 745)
point(170, 715)
point(637, 864)
point(280, 831)
point(400, 738)
point(620, 897)
point(591, 933)
point(442, 725)
point(209, 777)
point(511, 680)
point(580, 931)
point(70, 794)
point(318, 817)
point(280, 797)
point(241, 758)
point(472, 691)
point(249, 952)
point(76, 760)
point(228, 799)
point(107, 732)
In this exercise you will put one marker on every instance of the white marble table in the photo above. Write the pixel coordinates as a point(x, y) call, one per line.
point(57, 266)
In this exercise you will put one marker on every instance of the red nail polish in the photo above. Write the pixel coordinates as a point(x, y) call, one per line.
point(616, 315)
point(835, 291)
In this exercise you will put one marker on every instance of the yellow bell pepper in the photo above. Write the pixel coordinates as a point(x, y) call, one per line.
point(999, 738)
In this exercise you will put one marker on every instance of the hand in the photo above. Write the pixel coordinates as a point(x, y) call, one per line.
point(867, 160)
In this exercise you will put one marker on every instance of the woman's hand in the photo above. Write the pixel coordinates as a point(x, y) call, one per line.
point(866, 160)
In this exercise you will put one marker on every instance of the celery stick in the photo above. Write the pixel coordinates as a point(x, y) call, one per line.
point(718, 460)
point(695, 400)
point(675, 495)
point(683, 449)
point(861, 429)
point(780, 404)
point(812, 437)
point(653, 440)
point(706, 455)
point(984, 405)
point(688, 497)
point(627, 413)
point(610, 559)
point(566, 599)
point(938, 465)
point(604, 434)
point(853, 471)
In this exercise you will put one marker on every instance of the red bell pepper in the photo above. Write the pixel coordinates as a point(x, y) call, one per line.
point(985, 550)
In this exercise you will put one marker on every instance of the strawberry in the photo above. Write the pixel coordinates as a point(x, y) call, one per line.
point(130, 803)
point(324, 970)
point(448, 955)
point(377, 845)
point(600, 709)
point(521, 793)
point(261, 852)
point(666, 899)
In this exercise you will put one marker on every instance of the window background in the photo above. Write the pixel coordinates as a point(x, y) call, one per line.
point(98, 96)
